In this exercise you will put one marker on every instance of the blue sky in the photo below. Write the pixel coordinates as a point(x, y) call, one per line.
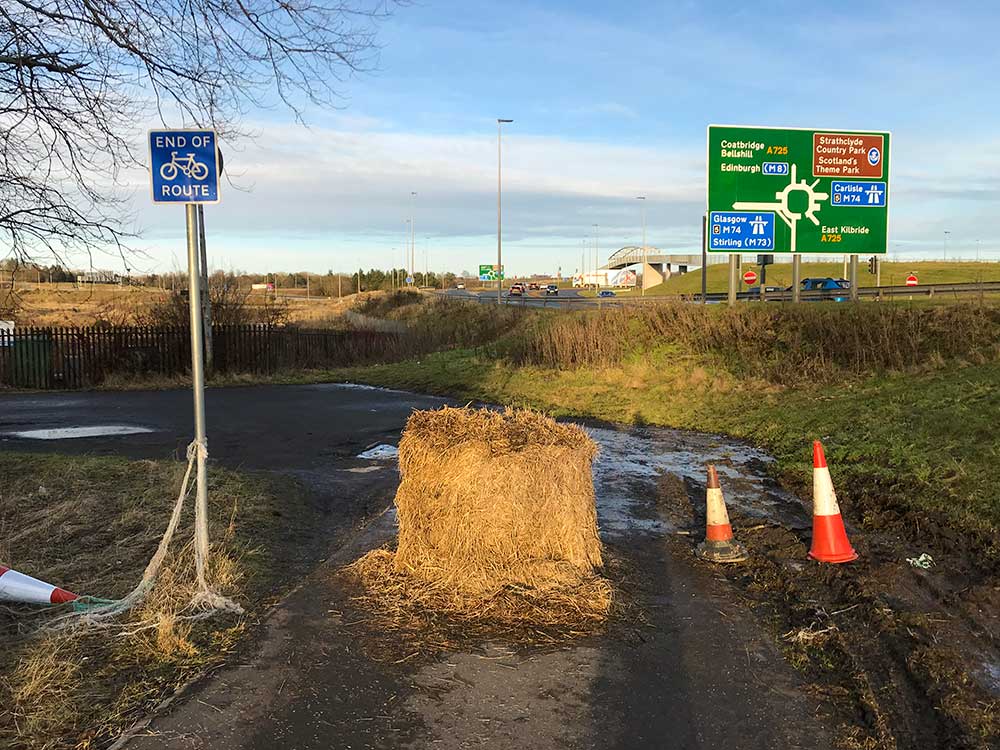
point(610, 101)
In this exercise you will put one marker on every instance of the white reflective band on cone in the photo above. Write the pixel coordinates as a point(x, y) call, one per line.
point(715, 508)
point(17, 587)
point(824, 498)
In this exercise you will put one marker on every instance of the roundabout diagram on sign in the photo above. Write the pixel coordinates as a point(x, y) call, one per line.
point(781, 203)
point(797, 190)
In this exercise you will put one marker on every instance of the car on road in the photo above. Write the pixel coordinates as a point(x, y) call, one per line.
point(516, 290)
point(605, 293)
point(533, 287)
point(460, 286)
point(827, 284)
point(552, 289)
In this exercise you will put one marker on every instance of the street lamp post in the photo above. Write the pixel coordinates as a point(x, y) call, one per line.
point(413, 263)
point(643, 199)
point(500, 122)
point(407, 264)
point(946, 233)
point(596, 261)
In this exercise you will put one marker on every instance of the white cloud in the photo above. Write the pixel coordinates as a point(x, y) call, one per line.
point(336, 196)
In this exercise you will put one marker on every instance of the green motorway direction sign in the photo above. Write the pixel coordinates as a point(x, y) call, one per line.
point(490, 272)
point(789, 190)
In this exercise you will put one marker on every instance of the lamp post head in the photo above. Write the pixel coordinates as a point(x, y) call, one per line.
point(640, 197)
point(502, 120)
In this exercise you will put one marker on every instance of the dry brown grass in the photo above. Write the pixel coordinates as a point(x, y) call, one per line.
point(45, 691)
point(782, 344)
point(74, 687)
point(64, 305)
point(91, 524)
point(497, 524)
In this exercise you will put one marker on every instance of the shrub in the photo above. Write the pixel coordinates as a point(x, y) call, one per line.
point(781, 343)
point(231, 305)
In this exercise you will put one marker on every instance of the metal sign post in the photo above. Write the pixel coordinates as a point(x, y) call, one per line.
point(197, 385)
point(206, 301)
point(734, 269)
point(704, 262)
point(185, 169)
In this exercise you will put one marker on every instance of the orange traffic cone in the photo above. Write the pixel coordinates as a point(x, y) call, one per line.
point(17, 587)
point(829, 542)
point(719, 544)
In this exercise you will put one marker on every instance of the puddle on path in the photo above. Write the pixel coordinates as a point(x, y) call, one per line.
point(632, 460)
point(379, 452)
point(66, 433)
point(991, 671)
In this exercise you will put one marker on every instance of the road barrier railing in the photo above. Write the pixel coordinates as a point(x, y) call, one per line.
point(870, 292)
point(955, 290)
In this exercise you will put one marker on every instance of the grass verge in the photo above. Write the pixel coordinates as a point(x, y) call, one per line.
point(90, 524)
point(894, 273)
point(911, 440)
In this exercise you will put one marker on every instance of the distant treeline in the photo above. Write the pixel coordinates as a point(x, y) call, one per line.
point(330, 284)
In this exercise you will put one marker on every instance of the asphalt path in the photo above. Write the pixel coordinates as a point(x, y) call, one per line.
point(260, 427)
point(695, 670)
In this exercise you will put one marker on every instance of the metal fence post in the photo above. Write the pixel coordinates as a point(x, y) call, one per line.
point(796, 278)
point(733, 271)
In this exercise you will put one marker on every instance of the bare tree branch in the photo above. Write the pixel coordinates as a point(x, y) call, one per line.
point(79, 77)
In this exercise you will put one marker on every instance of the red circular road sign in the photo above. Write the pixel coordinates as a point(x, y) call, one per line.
point(911, 280)
point(749, 277)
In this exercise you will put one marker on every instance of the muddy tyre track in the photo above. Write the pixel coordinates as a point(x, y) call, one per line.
point(896, 650)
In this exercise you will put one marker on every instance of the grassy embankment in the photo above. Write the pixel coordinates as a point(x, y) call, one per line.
point(91, 524)
point(904, 396)
point(780, 274)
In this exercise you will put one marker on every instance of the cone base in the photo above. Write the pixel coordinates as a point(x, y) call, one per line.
point(843, 557)
point(830, 543)
point(728, 551)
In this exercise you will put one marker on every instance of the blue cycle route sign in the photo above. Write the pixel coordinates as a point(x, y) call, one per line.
point(185, 166)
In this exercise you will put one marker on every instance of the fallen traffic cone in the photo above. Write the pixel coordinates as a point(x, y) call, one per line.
point(17, 587)
point(829, 542)
point(719, 544)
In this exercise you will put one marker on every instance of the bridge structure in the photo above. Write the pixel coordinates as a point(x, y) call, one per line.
point(657, 266)
point(632, 255)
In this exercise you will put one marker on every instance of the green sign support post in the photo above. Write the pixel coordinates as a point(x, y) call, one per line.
point(797, 191)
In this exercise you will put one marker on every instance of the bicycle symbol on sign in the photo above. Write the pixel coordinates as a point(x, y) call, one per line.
point(188, 166)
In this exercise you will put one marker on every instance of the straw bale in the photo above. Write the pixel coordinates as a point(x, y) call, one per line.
point(497, 519)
